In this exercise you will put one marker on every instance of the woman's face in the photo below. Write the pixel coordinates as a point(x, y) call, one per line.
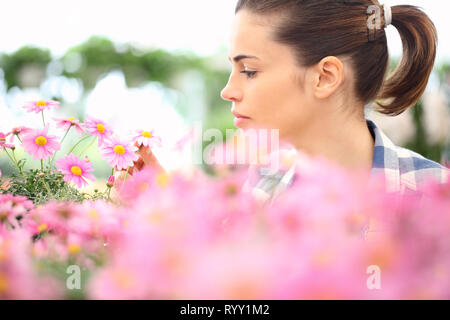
point(265, 82)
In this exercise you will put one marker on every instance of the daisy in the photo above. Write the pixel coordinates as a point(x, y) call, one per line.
point(119, 154)
point(41, 105)
point(75, 170)
point(3, 143)
point(17, 131)
point(98, 128)
point(40, 144)
point(147, 139)
point(68, 123)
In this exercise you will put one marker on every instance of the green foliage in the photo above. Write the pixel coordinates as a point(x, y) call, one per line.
point(13, 64)
point(100, 56)
point(41, 186)
point(419, 143)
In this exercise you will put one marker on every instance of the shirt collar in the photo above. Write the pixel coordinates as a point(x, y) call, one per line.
point(385, 159)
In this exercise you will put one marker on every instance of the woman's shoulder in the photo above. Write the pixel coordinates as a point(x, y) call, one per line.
point(415, 169)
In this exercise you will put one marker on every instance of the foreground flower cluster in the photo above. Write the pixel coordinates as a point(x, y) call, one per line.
point(43, 146)
point(190, 236)
point(187, 235)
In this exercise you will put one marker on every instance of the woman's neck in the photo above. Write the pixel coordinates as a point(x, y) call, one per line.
point(346, 142)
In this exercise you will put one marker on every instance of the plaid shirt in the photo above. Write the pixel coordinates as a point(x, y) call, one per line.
point(403, 170)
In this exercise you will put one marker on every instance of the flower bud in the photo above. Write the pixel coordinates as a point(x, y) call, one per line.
point(41, 175)
point(110, 182)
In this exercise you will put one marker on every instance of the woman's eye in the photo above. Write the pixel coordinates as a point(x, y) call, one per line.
point(250, 74)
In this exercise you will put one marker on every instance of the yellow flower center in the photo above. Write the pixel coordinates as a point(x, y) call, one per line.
point(41, 141)
point(100, 128)
point(73, 248)
point(42, 227)
point(41, 103)
point(146, 134)
point(71, 119)
point(119, 149)
point(76, 170)
point(3, 283)
point(93, 214)
point(162, 179)
point(123, 279)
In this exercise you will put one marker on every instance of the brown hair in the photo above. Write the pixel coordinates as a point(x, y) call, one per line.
point(316, 29)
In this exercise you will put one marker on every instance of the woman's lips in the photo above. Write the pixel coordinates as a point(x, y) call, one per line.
point(239, 119)
point(237, 115)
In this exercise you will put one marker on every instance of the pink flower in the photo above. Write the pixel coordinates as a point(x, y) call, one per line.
point(67, 123)
point(41, 105)
point(147, 138)
point(110, 182)
point(119, 154)
point(40, 144)
point(98, 128)
point(75, 170)
point(13, 207)
point(16, 131)
point(3, 143)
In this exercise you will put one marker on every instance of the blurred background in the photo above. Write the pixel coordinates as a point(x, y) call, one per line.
point(161, 65)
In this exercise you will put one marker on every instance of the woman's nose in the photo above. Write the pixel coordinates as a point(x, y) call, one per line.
point(231, 93)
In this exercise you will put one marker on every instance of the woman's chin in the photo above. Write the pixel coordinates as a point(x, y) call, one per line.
point(241, 122)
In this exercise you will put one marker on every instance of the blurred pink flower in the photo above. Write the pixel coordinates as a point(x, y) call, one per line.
point(13, 209)
point(40, 144)
point(41, 105)
point(119, 154)
point(17, 131)
point(147, 139)
point(3, 143)
point(67, 123)
point(75, 170)
point(98, 128)
point(54, 217)
point(18, 278)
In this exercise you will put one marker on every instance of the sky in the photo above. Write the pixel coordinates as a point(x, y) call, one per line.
point(199, 25)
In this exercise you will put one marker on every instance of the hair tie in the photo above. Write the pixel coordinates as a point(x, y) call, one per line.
point(387, 15)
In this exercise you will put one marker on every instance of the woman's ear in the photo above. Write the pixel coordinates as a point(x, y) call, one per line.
point(328, 76)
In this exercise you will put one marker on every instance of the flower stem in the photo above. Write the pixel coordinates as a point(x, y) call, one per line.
point(9, 156)
point(76, 144)
point(126, 174)
point(42, 165)
point(43, 121)
point(17, 163)
point(62, 140)
point(90, 144)
point(108, 192)
point(47, 187)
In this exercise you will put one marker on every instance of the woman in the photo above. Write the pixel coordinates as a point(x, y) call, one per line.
point(309, 68)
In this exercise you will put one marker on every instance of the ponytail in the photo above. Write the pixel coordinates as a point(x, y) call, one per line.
point(404, 87)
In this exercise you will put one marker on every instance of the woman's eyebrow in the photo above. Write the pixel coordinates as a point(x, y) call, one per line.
point(241, 57)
